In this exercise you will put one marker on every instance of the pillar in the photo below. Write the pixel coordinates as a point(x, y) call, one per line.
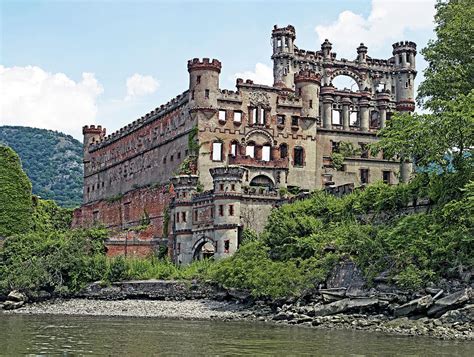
point(345, 113)
point(327, 112)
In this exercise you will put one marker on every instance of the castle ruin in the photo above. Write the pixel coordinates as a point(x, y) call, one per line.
point(192, 173)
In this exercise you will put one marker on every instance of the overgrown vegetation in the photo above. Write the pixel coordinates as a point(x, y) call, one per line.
point(303, 240)
point(52, 161)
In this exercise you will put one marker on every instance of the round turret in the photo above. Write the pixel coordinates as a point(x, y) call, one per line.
point(283, 39)
point(326, 48)
point(362, 53)
point(92, 134)
point(307, 86)
point(204, 82)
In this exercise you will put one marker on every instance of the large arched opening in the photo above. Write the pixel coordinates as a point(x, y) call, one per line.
point(262, 181)
point(343, 81)
point(204, 249)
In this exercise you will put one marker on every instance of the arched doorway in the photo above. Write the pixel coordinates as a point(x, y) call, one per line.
point(261, 181)
point(204, 249)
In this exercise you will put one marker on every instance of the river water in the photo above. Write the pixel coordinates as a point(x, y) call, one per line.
point(40, 335)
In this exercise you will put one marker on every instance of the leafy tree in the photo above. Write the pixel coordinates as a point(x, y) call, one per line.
point(443, 139)
point(15, 195)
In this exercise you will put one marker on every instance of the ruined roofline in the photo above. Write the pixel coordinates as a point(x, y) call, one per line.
point(153, 115)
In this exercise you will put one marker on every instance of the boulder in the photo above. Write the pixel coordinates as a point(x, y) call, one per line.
point(414, 307)
point(346, 275)
point(462, 315)
point(16, 296)
point(451, 302)
point(345, 305)
point(12, 305)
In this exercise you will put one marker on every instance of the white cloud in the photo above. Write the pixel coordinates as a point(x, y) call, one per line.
point(387, 22)
point(139, 85)
point(30, 96)
point(262, 74)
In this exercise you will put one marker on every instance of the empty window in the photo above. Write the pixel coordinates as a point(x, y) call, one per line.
point(250, 150)
point(206, 93)
point(334, 146)
point(294, 121)
point(183, 216)
point(226, 246)
point(164, 160)
point(353, 118)
point(233, 148)
point(177, 217)
point(95, 216)
point(374, 119)
point(336, 117)
point(266, 152)
point(198, 79)
point(311, 103)
point(221, 210)
point(192, 95)
point(179, 155)
point(232, 187)
point(298, 156)
point(217, 151)
point(231, 210)
point(178, 248)
point(221, 187)
point(283, 151)
point(280, 120)
point(195, 215)
point(222, 115)
point(364, 176)
point(258, 116)
point(364, 150)
point(238, 117)
point(279, 42)
point(386, 176)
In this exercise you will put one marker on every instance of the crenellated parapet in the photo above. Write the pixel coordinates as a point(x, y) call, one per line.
point(204, 64)
point(308, 76)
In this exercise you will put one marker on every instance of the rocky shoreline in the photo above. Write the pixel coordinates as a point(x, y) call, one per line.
point(344, 302)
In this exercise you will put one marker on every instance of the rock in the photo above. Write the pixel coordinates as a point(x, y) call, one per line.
point(345, 305)
point(282, 316)
point(451, 302)
point(12, 305)
point(16, 296)
point(414, 306)
point(347, 275)
point(240, 295)
point(465, 314)
point(333, 294)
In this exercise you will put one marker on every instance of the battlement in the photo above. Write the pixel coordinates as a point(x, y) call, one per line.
point(205, 64)
point(155, 114)
point(231, 172)
point(231, 95)
point(284, 31)
point(308, 76)
point(289, 101)
point(404, 46)
point(92, 129)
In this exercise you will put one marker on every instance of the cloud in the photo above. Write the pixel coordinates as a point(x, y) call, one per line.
point(30, 96)
point(139, 85)
point(263, 74)
point(388, 21)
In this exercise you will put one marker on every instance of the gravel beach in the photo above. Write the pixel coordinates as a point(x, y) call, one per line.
point(189, 309)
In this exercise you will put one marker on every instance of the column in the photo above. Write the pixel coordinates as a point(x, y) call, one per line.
point(383, 116)
point(364, 116)
point(327, 112)
point(345, 113)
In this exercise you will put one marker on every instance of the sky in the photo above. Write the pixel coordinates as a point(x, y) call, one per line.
point(66, 64)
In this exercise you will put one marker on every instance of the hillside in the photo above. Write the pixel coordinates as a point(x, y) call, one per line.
point(52, 161)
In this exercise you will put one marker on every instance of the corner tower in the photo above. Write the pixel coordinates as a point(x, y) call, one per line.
point(307, 86)
point(203, 82)
point(283, 51)
point(404, 54)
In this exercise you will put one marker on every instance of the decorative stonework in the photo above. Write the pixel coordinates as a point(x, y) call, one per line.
point(259, 99)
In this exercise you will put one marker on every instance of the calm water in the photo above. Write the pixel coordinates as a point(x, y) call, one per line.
point(47, 335)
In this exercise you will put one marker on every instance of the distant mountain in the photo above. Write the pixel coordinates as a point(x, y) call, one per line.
point(52, 160)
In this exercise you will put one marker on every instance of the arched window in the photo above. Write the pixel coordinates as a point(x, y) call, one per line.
point(250, 150)
point(374, 119)
point(298, 156)
point(283, 150)
point(266, 150)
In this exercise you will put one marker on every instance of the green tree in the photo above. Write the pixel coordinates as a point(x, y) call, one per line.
point(15, 195)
